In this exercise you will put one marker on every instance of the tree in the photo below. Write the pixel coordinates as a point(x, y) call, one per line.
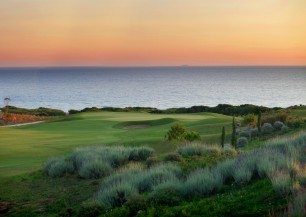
point(234, 140)
point(250, 120)
point(223, 137)
point(259, 123)
point(176, 132)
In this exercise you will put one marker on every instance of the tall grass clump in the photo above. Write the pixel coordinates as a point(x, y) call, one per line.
point(281, 182)
point(96, 161)
point(94, 169)
point(116, 195)
point(58, 167)
point(155, 176)
point(202, 182)
point(198, 149)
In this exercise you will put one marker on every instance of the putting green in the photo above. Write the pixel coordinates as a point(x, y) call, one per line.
point(25, 148)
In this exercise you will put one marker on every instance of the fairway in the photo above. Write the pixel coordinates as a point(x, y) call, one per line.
point(25, 148)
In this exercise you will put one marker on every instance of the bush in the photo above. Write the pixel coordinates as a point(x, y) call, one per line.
point(281, 182)
point(135, 203)
point(242, 142)
point(250, 120)
point(116, 195)
point(167, 194)
point(284, 128)
point(91, 208)
point(173, 157)
point(278, 125)
point(58, 167)
point(151, 161)
point(202, 182)
point(197, 149)
point(296, 123)
point(192, 136)
point(267, 128)
point(94, 169)
point(155, 176)
point(141, 153)
point(271, 118)
point(176, 132)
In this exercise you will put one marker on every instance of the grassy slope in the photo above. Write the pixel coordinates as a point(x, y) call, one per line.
point(23, 149)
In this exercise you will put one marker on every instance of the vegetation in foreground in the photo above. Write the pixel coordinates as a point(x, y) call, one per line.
point(74, 184)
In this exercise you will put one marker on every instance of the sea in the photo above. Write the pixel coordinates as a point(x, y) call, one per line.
point(160, 87)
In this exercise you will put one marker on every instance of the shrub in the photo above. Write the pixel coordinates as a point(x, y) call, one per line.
point(242, 142)
point(116, 195)
point(135, 203)
point(271, 118)
point(295, 123)
point(267, 128)
point(151, 161)
point(242, 175)
point(59, 167)
point(250, 120)
point(141, 153)
point(297, 206)
point(202, 182)
point(197, 149)
point(191, 136)
point(281, 182)
point(91, 208)
point(225, 169)
point(284, 128)
point(173, 157)
point(168, 194)
point(254, 132)
point(94, 169)
point(278, 125)
point(176, 132)
point(155, 176)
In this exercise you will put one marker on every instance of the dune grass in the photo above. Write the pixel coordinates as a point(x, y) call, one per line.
point(25, 148)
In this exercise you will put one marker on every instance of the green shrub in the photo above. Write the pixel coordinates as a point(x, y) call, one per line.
point(141, 153)
point(191, 136)
point(250, 120)
point(116, 195)
point(176, 132)
point(197, 149)
point(135, 203)
point(267, 128)
point(167, 194)
point(242, 142)
point(284, 128)
point(151, 161)
point(281, 182)
point(202, 182)
point(58, 167)
point(154, 176)
point(91, 208)
point(94, 169)
point(295, 123)
point(278, 125)
point(173, 157)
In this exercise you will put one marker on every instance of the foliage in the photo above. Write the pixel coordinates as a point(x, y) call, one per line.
point(242, 142)
point(191, 136)
point(250, 120)
point(135, 203)
point(94, 169)
point(21, 118)
point(267, 128)
point(173, 157)
point(278, 125)
point(295, 123)
point(91, 208)
point(198, 149)
point(275, 116)
point(176, 132)
point(259, 122)
point(36, 112)
point(223, 137)
point(234, 140)
point(58, 167)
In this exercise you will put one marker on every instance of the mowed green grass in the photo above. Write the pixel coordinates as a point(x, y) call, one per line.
point(25, 148)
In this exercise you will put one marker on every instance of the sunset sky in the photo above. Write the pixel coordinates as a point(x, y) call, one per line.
point(152, 32)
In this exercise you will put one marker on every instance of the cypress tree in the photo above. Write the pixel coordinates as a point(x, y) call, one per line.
point(259, 122)
point(223, 137)
point(234, 140)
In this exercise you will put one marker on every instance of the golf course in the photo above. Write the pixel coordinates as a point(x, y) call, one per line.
point(25, 148)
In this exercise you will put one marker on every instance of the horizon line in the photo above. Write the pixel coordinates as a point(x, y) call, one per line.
point(146, 66)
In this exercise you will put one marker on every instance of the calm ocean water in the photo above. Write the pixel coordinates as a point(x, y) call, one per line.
point(160, 87)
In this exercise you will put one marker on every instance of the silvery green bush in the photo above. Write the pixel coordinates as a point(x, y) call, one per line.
point(278, 125)
point(267, 128)
point(242, 142)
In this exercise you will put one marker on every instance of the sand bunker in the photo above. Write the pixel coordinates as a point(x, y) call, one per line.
point(138, 126)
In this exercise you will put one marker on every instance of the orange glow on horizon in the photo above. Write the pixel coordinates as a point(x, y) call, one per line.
point(140, 33)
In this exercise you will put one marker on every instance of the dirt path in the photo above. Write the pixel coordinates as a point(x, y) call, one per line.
point(17, 125)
